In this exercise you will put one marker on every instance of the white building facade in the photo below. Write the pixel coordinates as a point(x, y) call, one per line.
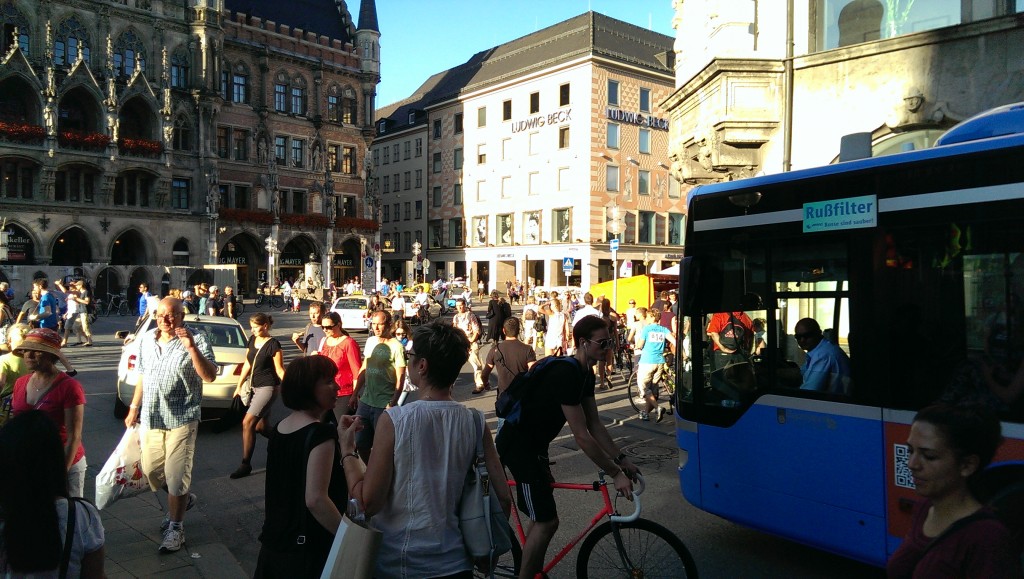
point(525, 161)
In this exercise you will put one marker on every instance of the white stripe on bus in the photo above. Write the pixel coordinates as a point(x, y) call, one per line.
point(1005, 192)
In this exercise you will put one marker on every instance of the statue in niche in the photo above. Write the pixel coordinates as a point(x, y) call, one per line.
point(628, 187)
point(318, 158)
point(275, 203)
point(261, 150)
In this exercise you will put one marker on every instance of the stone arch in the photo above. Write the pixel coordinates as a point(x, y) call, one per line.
point(295, 254)
point(79, 109)
point(19, 99)
point(137, 276)
point(131, 247)
point(138, 119)
point(246, 250)
point(108, 281)
point(181, 252)
point(71, 246)
point(22, 240)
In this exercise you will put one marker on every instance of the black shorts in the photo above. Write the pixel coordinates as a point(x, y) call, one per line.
point(532, 474)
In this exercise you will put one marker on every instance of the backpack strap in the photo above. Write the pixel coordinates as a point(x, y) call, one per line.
point(69, 538)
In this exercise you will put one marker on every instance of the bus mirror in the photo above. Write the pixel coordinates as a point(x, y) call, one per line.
point(689, 275)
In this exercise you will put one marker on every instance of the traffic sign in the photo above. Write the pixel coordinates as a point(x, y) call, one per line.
point(613, 245)
point(426, 263)
point(568, 264)
point(369, 262)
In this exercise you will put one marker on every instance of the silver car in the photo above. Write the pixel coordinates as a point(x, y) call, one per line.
point(225, 335)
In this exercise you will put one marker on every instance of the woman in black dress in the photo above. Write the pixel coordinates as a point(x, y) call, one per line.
point(265, 361)
point(306, 490)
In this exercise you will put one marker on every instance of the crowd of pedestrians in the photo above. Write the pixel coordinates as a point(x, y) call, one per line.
point(377, 431)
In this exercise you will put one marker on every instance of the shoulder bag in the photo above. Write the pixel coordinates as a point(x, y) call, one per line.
point(484, 525)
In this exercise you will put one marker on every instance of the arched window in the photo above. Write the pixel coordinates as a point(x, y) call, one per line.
point(11, 18)
point(72, 41)
point(127, 50)
point(182, 134)
point(180, 252)
point(349, 106)
point(240, 84)
point(180, 69)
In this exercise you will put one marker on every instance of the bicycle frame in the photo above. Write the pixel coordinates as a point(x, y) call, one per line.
point(607, 510)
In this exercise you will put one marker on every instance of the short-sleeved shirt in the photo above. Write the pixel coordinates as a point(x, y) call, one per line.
point(653, 336)
point(48, 300)
point(311, 337)
point(560, 383)
point(230, 299)
point(65, 393)
point(261, 362)
point(172, 390)
point(88, 538)
point(345, 356)
point(29, 307)
point(468, 322)
point(826, 369)
point(509, 357)
point(12, 367)
point(382, 362)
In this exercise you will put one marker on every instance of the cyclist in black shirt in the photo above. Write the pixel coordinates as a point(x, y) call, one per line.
point(564, 394)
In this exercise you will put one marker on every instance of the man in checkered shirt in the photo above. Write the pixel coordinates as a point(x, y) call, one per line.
point(172, 365)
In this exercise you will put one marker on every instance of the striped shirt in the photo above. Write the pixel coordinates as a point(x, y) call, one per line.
point(172, 390)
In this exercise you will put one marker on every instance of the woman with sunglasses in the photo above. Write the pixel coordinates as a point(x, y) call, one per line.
point(344, 352)
point(403, 333)
point(265, 361)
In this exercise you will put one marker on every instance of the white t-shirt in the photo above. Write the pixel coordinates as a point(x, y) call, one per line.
point(88, 538)
point(398, 304)
point(584, 312)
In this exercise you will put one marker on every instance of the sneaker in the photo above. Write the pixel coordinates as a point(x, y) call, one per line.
point(661, 414)
point(166, 523)
point(644, 416)
point(173, 540)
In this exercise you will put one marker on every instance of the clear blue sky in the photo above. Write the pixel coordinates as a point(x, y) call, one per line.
point(422, 37)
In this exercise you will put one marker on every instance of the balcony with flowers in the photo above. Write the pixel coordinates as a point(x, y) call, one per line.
point(356, 223)
point(258, 216)
point(82, 140)
point(14, 132)
point(140, 147)
point(305, 220)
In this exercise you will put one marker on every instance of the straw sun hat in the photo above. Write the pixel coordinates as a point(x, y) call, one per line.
point(44, 340)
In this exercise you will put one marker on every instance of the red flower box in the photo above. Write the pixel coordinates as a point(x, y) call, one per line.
point(140, 147)
point(84, 141)
point(313, 220)
point(260, 216)
point(356, 223)
point(22, 133)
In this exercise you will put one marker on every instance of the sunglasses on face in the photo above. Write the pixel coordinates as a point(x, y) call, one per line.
point(604, 343)
point(399, 334)
point(327, 327)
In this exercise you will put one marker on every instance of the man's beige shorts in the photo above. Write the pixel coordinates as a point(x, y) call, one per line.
point(167, 456)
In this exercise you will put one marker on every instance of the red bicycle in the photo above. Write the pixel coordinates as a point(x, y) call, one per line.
point(622, 546)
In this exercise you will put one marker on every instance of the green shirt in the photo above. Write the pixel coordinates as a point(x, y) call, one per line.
point(11, 367)
point(383, 359)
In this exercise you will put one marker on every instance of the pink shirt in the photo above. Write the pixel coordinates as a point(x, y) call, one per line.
point(346, 356)
point(65, 393)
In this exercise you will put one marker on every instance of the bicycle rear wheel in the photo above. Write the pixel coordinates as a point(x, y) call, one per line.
point(635, 395)
point(648, 550)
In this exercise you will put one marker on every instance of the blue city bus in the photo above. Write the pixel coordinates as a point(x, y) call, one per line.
point(913, 264)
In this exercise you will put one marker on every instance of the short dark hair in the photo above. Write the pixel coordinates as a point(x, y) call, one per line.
point(588, 298)
point(586, 327)
point(42, 282)
point(969, 428)
point(511, 327)
point(300, 379)
point(446, 349)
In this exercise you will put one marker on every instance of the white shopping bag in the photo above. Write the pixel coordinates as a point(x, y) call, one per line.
point(121, 475)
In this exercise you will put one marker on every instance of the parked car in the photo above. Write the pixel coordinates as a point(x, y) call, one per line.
point(225, 335)
point(352, 310)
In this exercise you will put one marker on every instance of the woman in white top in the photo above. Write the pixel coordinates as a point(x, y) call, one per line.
point(34, 502)
point(557, 335)
point(412, 489)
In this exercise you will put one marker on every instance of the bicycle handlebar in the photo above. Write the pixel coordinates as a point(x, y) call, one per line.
point(636, 502)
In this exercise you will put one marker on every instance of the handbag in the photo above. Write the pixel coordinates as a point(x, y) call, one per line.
point(484, 525)
point(353, 553)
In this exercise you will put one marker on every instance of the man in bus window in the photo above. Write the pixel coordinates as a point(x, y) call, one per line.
point(827, 368)
point(732, 335)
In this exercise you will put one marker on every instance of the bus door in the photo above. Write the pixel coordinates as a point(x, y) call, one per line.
point(782, 445)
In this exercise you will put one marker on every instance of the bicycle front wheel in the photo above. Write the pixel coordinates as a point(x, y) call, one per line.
point(648, 550)
point(634, 393)
point(276, 302)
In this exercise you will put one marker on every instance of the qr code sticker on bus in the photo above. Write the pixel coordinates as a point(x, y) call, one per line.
point(904, 478)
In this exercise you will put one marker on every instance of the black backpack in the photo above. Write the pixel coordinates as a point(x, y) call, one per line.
point(509, 403)
point(735, 335)
point(542, 323)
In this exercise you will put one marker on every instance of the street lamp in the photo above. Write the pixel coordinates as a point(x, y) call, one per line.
point(271, 260)
point(416, 247)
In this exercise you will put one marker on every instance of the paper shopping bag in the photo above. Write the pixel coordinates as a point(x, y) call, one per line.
point(353, 554)
point(121, 475)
